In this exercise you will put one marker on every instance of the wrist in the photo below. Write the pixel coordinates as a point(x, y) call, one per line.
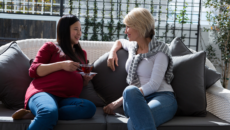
point(113, 51)
point(61, 64)
point(116, 104)
point(141, 91)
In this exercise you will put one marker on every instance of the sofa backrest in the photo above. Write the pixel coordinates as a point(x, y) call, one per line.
point(94, 49)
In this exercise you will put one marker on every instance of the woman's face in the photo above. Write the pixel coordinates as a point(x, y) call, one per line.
point(132, 34)
point(75, 32)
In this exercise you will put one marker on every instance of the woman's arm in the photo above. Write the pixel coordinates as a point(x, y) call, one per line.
point(41, 65)
point(157, 74)
point(116, 46)
point(109, 109)
point(68, 65)
point(113, 55)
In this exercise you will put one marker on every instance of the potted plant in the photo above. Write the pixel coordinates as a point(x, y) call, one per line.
point(219, 20)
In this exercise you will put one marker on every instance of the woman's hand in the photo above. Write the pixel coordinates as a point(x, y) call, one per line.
point(87, 78)
point(111, 60)
point(109, 109)
point(69, 65)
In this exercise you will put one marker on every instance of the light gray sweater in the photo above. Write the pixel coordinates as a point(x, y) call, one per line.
point(151, 71)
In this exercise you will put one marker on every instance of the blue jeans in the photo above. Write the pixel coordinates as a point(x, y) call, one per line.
point(147, 113)
point(48, 108)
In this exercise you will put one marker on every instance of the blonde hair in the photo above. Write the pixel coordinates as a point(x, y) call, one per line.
point(141, 19)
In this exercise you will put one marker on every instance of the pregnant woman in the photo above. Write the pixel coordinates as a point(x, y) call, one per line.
point(54, 92)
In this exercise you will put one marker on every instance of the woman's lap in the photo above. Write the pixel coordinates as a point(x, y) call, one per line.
point(46, 106)
point(163, 106)
point(153, 110)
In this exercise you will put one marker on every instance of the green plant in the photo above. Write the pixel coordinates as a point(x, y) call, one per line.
point(1, 5)
point(79, 8)
point(10, 5)
point(70, 6)
point(102, 21)
point(211, 54)
point(127, 8)
point(19, 12)
point(119, 23)
point(111, 22)
point(47, 7)
point(94, 23)
point(137, 4)
point(220, 28)
point(87, 21)
point(180, 18)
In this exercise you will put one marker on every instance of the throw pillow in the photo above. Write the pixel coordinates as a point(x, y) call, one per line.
point(189, 84)
point(178, 48)
point(90, 94)
point(14, 76)
point(107, 83)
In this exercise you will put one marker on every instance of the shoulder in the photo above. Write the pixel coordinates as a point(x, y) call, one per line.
point(161, 55)
point(84, 51)
point(127, 42)
point(50, 46)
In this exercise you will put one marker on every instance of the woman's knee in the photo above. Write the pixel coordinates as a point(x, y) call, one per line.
point(131, 91)
point(90, 108)
point(48, 113)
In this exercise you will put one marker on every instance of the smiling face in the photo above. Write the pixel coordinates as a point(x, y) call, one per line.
point(75, 32)
point(132, 33)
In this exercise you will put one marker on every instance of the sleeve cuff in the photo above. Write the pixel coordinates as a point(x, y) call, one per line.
point(33, 70)
point(146, 90)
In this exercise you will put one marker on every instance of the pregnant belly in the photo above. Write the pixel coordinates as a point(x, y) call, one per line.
point(60, 83)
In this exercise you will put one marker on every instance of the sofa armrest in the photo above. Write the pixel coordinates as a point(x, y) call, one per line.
point(95, 49)
point(30, 47)
point(218, 101)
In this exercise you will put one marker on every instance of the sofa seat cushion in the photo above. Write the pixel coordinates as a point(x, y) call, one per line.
point(117, 121)
point(98, 122)
point(210, 122)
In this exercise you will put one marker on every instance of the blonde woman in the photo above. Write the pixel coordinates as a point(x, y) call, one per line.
point(149, 100)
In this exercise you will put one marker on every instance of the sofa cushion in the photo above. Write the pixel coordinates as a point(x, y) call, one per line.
point(90, 94)
point(188, 84)
point(107, 83)
point(117, 121)
point(210, 122)
point(97, 122)
point(178, 48)
point(14, 76)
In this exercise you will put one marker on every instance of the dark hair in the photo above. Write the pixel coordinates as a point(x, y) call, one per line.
point(63, 38)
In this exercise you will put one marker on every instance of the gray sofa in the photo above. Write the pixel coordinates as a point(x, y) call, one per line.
point(102, 121)
point(218, 103)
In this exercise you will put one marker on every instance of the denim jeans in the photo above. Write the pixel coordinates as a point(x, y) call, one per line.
point(147, 113)
point(48, 108)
